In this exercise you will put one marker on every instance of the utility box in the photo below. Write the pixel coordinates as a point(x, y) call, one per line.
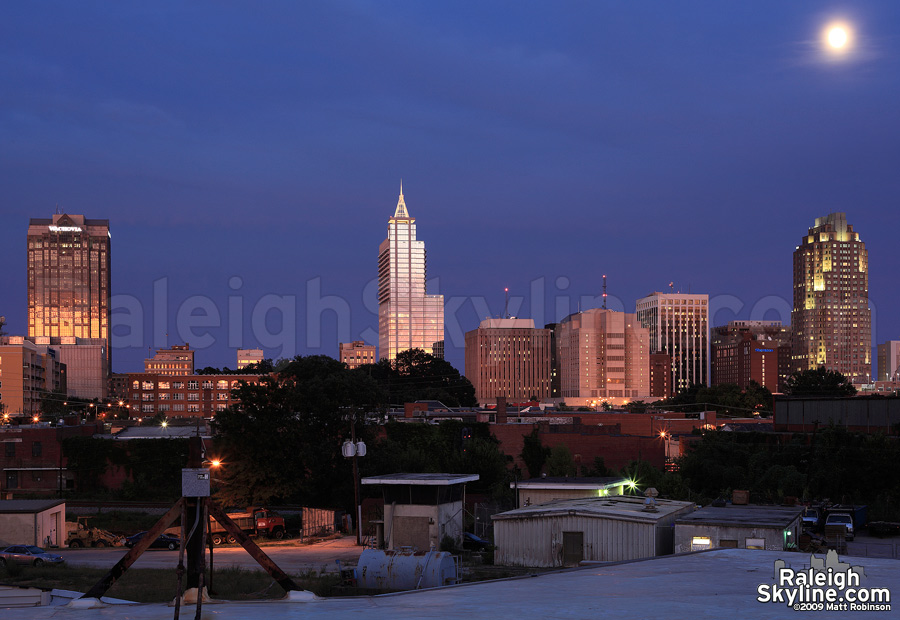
point(195, 482)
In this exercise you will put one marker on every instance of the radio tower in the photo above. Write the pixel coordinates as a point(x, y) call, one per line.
point(604, 292)
point(506, 306)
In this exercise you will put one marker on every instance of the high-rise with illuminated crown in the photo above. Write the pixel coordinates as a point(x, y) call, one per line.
point(408, 318)
point(832, 323)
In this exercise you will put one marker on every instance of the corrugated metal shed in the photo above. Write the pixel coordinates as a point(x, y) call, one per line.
point(605, 529)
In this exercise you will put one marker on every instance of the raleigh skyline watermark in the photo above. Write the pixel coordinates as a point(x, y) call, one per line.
point(274, 319)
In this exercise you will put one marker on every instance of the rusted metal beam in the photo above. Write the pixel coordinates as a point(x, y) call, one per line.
point(122, 565)
point(255, 552)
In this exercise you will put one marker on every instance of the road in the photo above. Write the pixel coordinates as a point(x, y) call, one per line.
point(291, 558)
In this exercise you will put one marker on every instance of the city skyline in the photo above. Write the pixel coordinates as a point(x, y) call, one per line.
point(680, 144)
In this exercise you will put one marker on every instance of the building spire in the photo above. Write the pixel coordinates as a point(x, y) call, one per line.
point(401, 205)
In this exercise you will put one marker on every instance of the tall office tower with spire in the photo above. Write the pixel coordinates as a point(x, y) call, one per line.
point(832, 324)
point(407, 317)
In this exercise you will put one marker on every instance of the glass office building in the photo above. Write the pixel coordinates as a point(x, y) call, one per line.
point(408, 318)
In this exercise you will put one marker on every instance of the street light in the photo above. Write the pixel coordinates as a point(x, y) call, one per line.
point(354, 449)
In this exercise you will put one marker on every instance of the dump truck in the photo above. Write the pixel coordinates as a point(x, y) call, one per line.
point(254, 521)
point(79, 534)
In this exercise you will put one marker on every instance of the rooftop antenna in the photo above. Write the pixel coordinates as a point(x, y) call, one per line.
point(506, 306)
point(671, 287)
point(604, 291)
point(57, 209)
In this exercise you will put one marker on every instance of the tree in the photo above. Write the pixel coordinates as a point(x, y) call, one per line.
point(534, 454)
point(416, 375)
point(452, 447)
point(560, 462)
point(818, 382)
point(283, 441)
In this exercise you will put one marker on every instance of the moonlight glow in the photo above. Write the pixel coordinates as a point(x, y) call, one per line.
point(837, 38)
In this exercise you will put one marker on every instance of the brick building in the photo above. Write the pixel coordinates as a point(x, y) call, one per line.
point(31, 457)
point(745, 351)
point(182, 396)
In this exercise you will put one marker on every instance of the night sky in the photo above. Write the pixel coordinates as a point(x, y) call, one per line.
point(248, 156)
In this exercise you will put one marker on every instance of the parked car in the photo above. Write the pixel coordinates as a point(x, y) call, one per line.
point(163, 542)
point(29, 555)
point(840, 518)
point(476, 543)
point(812, 518)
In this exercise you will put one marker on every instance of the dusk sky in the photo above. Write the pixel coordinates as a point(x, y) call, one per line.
point(248, 156)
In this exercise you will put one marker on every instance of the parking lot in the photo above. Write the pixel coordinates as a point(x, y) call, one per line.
point(293, 558)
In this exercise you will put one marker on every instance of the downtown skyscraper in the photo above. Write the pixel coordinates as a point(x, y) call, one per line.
point(69, 297)
point(832, 323)
point(679, 327)
point(408, 318)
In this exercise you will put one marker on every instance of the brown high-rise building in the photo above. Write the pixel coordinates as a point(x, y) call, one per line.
point(508, 358)
point(745, 351)
point(660, 375)
point(69, 280)
point(832, 324)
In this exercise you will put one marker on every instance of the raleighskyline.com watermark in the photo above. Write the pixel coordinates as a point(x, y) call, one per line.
point(826, 585)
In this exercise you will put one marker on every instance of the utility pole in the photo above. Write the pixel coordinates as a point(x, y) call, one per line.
point(195, 527)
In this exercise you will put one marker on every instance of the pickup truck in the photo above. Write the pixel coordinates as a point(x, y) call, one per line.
point(838, 519)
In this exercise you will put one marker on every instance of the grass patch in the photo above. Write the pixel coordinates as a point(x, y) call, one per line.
point(158, 585)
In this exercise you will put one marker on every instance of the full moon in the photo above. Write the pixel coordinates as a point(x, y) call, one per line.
point(837, 37)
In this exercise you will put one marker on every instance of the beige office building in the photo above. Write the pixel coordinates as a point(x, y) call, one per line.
point(679, 327)
point(356, 353)
point(832, 323)
point(177, 361)
point(27, 371)
point(889, 361)
point(408, 318)
point(603, 357)
point(508, 358)
point(246, 357)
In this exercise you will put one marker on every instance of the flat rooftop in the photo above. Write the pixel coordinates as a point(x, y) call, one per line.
point(624, 507)
point(569, 483)
point(422, 479)
point(18, 506)
point(744, 516)
point(701, 586)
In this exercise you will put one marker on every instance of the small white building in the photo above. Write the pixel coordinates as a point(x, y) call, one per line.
point(541, 490)
point(420, 509)
point(602, 529)
point(739, 527)
point(40, 522)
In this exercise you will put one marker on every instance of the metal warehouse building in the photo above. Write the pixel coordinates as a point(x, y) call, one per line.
point(603, 529)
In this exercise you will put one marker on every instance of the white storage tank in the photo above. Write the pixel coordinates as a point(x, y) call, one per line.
point(405, 570)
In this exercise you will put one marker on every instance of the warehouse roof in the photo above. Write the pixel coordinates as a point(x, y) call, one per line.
point(700, 586)
point(421, 479)
point(623, 507)
point(570, 483)
point(29, 506)
point(743, 516)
